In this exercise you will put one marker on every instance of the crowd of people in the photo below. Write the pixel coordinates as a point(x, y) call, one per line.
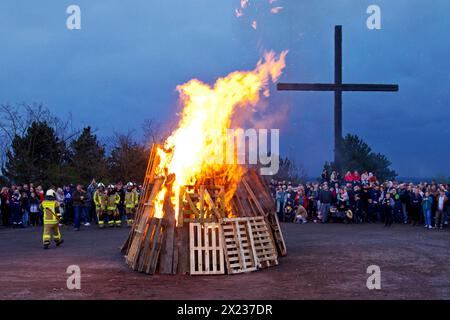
point(21, 205)
point(361, 198)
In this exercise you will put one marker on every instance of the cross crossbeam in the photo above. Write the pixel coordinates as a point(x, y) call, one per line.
point(337, 87)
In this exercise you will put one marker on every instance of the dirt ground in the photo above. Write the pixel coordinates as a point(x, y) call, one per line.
point(323, 262)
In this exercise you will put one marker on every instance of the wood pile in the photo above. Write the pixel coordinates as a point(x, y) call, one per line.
point(204, 241)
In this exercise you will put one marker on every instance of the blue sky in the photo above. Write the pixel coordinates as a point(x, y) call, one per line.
point(125, 62)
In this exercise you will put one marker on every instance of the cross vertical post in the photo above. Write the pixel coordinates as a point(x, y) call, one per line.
point(337, 96)
point(338, 87)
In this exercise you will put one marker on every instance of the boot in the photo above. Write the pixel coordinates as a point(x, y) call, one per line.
point(46, 246)
point(59, 242)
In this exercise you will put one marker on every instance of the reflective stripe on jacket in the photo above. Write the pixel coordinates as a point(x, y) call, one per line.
point(100, 199)
point(131, 199)
point(50, 208)
point(113, 201)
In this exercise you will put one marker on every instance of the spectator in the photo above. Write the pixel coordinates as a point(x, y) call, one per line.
point(16, 208)
point(25, 205)
point(78, 207)
point(4, 198)
point(427, 202)
point(442, 203)
point(34, 204)
point(416, 204)
point(388, 209)
point(348, 177)
point(325, 198)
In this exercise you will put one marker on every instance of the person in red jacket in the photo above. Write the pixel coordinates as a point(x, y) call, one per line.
point(372, 178)
point(356, 176)
point(348, 177)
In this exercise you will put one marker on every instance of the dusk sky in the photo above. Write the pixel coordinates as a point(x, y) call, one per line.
point(125, 62)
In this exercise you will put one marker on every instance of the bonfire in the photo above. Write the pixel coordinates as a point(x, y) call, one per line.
point(199, 213)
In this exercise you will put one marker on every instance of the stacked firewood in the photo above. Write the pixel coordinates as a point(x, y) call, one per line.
point(204, 238)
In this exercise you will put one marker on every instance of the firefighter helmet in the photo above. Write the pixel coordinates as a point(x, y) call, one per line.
point(50, 193)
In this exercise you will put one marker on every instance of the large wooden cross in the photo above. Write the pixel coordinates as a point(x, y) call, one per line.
point(338, 87)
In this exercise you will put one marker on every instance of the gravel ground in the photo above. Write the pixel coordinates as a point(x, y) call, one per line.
point(323, 262)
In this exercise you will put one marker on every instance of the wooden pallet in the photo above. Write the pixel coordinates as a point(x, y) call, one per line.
point(266, 252)
point(206, 249)
point(144, 202)
point(140, 231)
point(201, 204)
point(278, 235)
point(240, 253)
point(149, 255)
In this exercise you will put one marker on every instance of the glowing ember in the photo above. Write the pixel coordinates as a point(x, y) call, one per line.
point(194, 151)
point(276, 10)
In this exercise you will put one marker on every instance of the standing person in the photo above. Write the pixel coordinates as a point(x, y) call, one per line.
point(427, 202)
point(404, 198)
point(100, 201)
point(68, 204)
point(356, 177)
point(4, 197)
point(121, 206)
point(388, 209)
point(131, 203)
point(325, 198)
point(16, 208)
point(60, 199)
point(416, 206)
point(442, 203)
point(325, 176)
point(365, 178)
point(111, 207)
point(359, 207)
point(333, 177)
point(373, 209)
point(398, 209)
point(89, 203)
point(34, 209)
point(25, 206)
point(52, 218)
point(78, 206)
point(348, 177)
point(279, 197)
point(40, 193)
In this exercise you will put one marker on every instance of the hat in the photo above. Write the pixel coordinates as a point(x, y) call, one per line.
point(349, 214)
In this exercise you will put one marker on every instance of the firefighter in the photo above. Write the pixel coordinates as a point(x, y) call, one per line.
point(52, 218)
point(131, 202)
point(113, 200)
point(100, 200)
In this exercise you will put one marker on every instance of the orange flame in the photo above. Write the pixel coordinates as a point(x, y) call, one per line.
point(194, 151)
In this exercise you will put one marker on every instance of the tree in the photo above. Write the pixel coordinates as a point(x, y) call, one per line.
point(290, 171)
point(87, 157)
point(15, 121)
point(151, 132)
point(128, 159)
point(357, 155)
point(36, 156)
